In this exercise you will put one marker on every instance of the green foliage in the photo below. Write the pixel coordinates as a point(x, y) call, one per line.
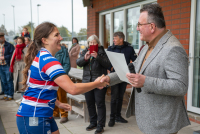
point(3, 30)
point(64, 32)
point(11, 33)
point(83, 31)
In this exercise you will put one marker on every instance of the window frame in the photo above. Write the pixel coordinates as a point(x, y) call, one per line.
point(193, 11)
point(111, 12)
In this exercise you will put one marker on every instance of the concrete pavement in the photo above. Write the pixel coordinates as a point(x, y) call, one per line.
point(76, 125)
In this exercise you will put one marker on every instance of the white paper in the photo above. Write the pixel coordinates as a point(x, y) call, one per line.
point(118, 61)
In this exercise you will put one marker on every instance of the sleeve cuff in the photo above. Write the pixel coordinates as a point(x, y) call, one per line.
point(58, 76)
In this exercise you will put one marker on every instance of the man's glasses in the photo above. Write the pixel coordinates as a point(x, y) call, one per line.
point(138, 24)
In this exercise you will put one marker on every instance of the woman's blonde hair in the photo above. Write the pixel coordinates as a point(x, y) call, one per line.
point(93, 37)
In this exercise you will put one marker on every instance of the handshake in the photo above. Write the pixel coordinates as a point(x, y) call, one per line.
point(136, 80)
point(103, 81)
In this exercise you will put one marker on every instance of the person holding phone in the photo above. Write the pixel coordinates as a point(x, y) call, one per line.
point(74, 52)
point(95, 63)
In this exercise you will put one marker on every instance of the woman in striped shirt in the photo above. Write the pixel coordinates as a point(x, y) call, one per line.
point(43, 74)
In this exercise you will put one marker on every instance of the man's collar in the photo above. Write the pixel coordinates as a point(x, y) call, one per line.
point(156, 39)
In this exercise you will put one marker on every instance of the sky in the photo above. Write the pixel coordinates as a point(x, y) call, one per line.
point(58, 12)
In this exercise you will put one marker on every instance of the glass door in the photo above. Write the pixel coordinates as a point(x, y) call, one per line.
point(194, 68)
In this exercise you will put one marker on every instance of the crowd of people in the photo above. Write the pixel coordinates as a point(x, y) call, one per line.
point(161, 73)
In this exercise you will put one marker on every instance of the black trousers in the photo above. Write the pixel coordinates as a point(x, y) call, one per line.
point(117, 94)
point(96, 96)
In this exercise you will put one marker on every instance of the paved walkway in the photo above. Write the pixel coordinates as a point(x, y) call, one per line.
point(76, 125)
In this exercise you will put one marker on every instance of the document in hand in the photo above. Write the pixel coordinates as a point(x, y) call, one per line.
point(118, 62)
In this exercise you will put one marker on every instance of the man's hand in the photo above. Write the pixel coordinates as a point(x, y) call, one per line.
point(102, 83)
point(94, 54)
point(65, 106)
point(1, 57)
point(104, 79)
point(87, 55)
point(136, 80)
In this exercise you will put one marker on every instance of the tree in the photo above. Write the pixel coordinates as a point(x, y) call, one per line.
point(83, 31)
point(64, 32)
point(3, 30)
point(74, 34)
point(11, 33)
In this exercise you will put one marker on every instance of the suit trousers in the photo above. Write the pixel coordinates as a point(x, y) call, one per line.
point(96, 96)
point(62, 97)
point(117, 94)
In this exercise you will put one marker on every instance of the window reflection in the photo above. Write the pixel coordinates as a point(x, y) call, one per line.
point(132, 33)
point(118, 21)
point(107, 22)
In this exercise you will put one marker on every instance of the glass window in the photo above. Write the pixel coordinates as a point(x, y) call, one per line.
point(118, 21)
point(107, 22)
point(132, 33)
point(196, 75)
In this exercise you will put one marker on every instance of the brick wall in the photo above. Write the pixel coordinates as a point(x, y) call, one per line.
point(177, 16)
point(93, 15)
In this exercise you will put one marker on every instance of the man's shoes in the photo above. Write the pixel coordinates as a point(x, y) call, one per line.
point(111, 123)
point(4, 98)
point(8, 99)
point(91, 127)
point(63, 119)
point(1, 93)
point(99, 130)
point(120, 119)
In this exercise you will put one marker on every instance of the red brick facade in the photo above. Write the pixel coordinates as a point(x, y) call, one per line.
point(98, 6)
point(177, 16)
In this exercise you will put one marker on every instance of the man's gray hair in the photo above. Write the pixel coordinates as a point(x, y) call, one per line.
point(119, 34)
point(155, 15)
point(93, 37)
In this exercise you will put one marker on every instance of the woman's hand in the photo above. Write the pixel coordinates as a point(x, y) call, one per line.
point(65, 106)
point(101, 82)
point(94, 54)
point(87, 55)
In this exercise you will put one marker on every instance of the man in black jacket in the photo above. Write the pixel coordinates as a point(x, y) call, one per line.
point(118, 90)
point(6, 51)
